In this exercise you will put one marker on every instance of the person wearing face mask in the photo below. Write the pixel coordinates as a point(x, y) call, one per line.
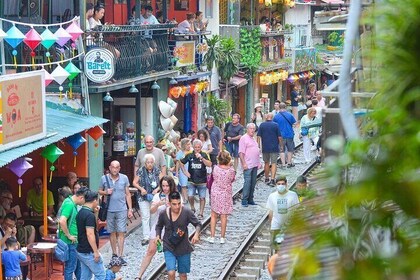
point(279, 204)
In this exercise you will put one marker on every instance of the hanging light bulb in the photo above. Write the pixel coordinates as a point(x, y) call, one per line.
point(173, 81)
point(133, 89)
point(108, 97)
point(155, 86)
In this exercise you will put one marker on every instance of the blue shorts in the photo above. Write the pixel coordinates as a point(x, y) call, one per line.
point(233, 148)
point(202, 190)
point(184, 262)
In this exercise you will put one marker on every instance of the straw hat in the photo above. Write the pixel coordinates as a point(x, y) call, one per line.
point(257, 105)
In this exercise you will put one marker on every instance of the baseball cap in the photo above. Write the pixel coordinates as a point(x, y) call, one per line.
point(115, 261)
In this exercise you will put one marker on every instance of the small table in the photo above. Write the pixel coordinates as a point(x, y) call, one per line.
point(47, 249)
point(50, 238)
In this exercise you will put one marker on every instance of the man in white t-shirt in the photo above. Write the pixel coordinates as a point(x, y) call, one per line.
point(160, 161)
point(279, 204)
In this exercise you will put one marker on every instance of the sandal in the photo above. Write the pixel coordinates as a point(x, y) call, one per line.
point(200, 216)
point(193, 210)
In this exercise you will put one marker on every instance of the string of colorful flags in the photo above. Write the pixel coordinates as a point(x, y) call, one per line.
point(33, 40)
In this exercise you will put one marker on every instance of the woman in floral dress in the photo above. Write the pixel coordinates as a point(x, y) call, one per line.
point(221, 194)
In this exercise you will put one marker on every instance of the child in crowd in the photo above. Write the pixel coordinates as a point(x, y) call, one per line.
point(11, 260)
point(113, 268)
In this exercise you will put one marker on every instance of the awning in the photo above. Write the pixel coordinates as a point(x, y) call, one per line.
point(60, 125)
point(238, 81)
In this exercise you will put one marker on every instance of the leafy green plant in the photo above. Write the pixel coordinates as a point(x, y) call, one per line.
point(250, 48)
point(228, 65)
point(333, 38)
point(219, 109)
point(213, 53)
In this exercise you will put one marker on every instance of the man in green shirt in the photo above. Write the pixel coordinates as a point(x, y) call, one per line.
point(34, 199)
point(68, 231)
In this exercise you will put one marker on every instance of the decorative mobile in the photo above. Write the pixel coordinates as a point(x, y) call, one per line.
point(96, 133)
point(51, 153)
point(48, 39)
point(48, 78)
point(74, 30)
point(19, 167)
point(60, 75)
point(75, 142)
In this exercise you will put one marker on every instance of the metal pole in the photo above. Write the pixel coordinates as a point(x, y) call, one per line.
point(346, 113)
point(138, 120)
point(82, 9)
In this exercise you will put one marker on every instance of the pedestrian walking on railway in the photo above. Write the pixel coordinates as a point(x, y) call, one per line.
point(269, 133)
point(197, 175)
point(309, 131)
point(176, 246)
point(91, 261)
point(160, 161)
point(221, 195)
point(279, 204)
point(215, 137)
point(249, 153)
point(286, 122)
point(146, 180)
point(295, 98)
point(159, 203)
point(233, 132)
point(183, 179)
point(115, 186)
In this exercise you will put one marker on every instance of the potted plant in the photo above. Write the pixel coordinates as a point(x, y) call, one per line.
point(334, 40)
point(213, 53)
point(228, 64)
point(219, 109)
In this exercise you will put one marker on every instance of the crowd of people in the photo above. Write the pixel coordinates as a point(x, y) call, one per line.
point(169, 178)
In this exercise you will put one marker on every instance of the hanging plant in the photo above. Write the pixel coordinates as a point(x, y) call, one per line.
point(250, 48)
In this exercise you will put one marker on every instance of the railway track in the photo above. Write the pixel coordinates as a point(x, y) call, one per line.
point(248, 246)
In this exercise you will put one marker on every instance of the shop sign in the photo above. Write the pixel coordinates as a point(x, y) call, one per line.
point(22, 109)
point(304, 59)
point(99, 65)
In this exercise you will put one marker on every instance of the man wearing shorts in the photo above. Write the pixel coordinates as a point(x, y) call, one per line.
point(233, 132)
point(215, 138)
point(115, 186)
point(197, 174)
point(176, 247)
point(285, 121)
point(269, 133)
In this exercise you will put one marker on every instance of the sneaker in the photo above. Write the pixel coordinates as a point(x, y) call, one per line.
point(123, 262)
point(252, 203)
point(273, 183)
point(222, 240)
point(290, 165)
point(244, 204)
point(210, 240)
point(267, 180)
point(145, 242)
point(318, 159)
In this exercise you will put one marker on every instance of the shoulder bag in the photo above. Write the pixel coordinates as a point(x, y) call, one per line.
point(177, 233)
point(286, 119)
point(103, 211)
point(61, 251)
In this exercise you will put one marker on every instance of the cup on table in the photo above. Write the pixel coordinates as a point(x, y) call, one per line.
point(24, 250)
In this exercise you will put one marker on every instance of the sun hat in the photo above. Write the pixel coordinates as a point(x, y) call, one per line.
point(257, 105)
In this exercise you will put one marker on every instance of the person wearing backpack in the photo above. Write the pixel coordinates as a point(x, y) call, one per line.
point(68, 231)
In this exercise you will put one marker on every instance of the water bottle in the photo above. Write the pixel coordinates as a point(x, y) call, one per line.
point(159, 246)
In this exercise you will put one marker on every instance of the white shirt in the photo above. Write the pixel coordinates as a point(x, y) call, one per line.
point(280, 204)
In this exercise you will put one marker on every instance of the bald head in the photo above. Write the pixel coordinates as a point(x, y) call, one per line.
point(149, 141)
point(269, 116)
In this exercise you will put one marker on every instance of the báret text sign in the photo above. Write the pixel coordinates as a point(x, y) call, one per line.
point(99, 65)
point(22, 109)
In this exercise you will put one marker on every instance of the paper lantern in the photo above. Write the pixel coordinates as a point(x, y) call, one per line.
point(48, 39)
point(165, 109)
point(166, 123)
point(73, 72)
point(60, 75)
point(175, 92)
point(75, 142)
point(48, 78)
point(62, 36)
point(2, 34)
point(14, 38)
point(19, 167)
point(96, 133)
point(32, 40)
point(183, 90)
point(51, 153)
point(74, 31)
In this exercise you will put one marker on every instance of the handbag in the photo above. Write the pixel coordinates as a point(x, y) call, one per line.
point(177, 234)
point(304, 131)
point(210, 180)
point(103, 210)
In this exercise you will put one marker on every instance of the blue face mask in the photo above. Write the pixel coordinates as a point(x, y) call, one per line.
point(281, 188)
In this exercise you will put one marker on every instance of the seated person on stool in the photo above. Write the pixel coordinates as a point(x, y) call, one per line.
point(25, 233)
point(34, 199)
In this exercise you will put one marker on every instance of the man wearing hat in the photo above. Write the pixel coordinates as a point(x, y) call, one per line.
point(233, 132)
point(113, 268)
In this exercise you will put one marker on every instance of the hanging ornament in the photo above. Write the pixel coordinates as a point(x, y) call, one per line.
point(19, 167)
point(74, 31)
point(75, 142)
point(48, 78)
point(2, 34)
point(32, 40)
point(14, 38)
point(192, 89)
point(183, 90)
point(60, 75)
point(48, 39)
point(51, 153)
point(73, 71)
point(96, 133)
